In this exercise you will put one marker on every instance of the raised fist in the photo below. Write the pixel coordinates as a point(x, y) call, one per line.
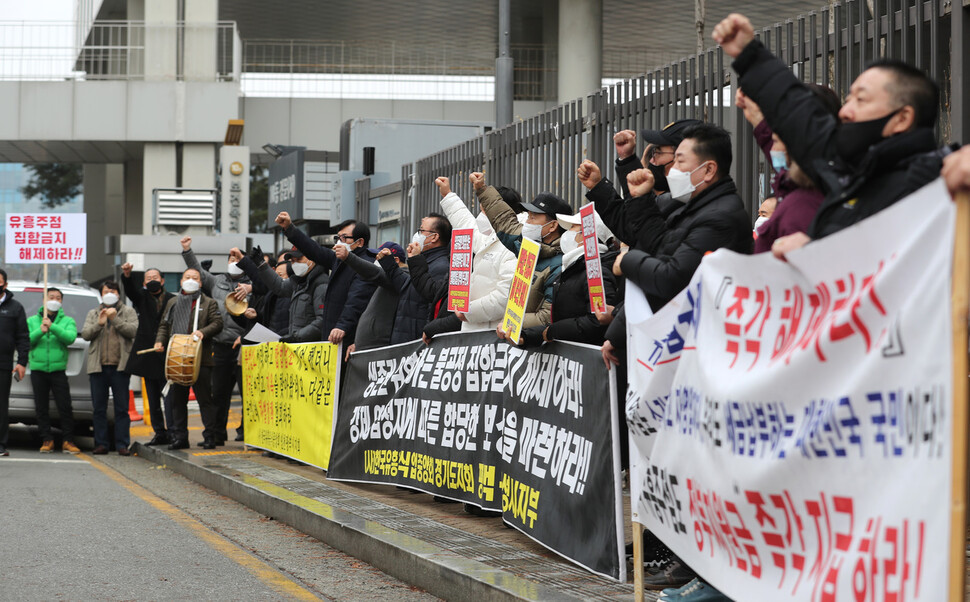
point(589, 174)
point(477, 179)
point(640, 182)
point(444, 186)
point(283, 220)
point(734, 33)
point(186, 243)
point(126, 269)
point(626, 143)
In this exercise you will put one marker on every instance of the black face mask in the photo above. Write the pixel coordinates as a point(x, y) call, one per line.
point(154, 287)
point(852, 140)
point(659, 177)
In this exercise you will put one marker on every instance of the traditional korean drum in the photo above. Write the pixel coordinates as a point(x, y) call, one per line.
point(234, 307)
point(183, 359)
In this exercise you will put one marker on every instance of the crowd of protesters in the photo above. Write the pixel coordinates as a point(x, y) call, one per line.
point(673, 202)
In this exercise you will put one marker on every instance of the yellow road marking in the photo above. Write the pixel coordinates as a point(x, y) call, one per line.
point(228, 452)
point(258, 568)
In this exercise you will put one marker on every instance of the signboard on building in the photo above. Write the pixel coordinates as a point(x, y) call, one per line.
point(234, 215)
point(286, 187)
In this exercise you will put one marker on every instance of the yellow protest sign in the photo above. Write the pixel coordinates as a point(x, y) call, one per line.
point(519, 291)
point(289, 398)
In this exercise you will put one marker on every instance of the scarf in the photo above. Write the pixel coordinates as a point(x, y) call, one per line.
point(182, 314)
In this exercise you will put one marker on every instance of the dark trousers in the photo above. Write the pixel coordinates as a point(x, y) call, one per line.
point(178, 398)
point(110, 379)
point(225, 376)
point(6, 378)
point(44, 384)
point(153, 391)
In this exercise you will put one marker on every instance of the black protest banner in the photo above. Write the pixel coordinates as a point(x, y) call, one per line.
point(530, 433)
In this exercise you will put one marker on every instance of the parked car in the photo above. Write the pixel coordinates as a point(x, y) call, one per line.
point(78, 301)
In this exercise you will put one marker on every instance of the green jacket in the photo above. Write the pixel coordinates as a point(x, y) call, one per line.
point(48, 350)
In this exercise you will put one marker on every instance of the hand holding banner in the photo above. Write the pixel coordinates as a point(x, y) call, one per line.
point(460, 277)
point(519, 292)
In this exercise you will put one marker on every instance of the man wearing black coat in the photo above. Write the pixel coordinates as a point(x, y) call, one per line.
point(347, 293)
point(148, 300)
point(429, 262)
point(711, 216)
point(14, 336)
point(879, 149)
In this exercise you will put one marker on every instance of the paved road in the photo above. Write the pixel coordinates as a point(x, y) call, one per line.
point(115, 528)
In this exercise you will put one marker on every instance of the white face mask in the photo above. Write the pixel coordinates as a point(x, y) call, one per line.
point(759, 222)
point(233, 269)
point(568, 242)
point(109, 299)
point(418, 239)
point(681, 186)
point(344, 245)
point(532, 231)
point(484, 226)
point(300, 269)
point(191, 286)
point(53, 306)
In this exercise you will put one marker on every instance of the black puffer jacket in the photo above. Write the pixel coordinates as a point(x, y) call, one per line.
point(414, 308)
point(713, 219)
point(571, 318)
point(890, 170)
point(13, 332)
point(306, 294)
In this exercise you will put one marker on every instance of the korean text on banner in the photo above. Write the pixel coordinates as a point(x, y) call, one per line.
point(46, 238)
point(594, 269)
point(790, 423)
point(519, 292)
point(290, 397)
point(530, 433)
point(460, 276)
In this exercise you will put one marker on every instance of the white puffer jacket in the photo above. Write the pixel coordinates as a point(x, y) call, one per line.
point(492, 269)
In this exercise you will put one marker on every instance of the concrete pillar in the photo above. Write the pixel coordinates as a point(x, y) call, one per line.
point(161, 48)
point(201, 36)
point(198, 165)
point(158, 171)
point(104, 204)
point(134, 207)
point(234, 165)
point(580, 48)
point(550, 40)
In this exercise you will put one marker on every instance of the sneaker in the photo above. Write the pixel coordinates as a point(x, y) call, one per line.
point(47, 447)
point(674, 574)
point(673, 593)
point(3, 451)
point(70, 448)
point(698, 591)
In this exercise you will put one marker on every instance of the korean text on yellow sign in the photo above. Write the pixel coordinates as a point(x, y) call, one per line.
point(519, 291)
point(289, 398)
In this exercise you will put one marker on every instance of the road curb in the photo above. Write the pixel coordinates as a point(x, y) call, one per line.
point(439, 571)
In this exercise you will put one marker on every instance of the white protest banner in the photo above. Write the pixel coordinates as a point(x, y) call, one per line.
point(790, 423)
point(46, 238)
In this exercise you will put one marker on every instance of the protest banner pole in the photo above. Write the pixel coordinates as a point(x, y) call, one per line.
point(960, 304)
point(638, 562)
point(43, 301)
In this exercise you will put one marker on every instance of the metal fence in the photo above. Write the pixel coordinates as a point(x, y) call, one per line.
point(830, 46)
point(118, 50)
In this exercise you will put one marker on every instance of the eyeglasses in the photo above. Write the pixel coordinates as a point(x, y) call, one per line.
point(427, 231)
point(343, 238)
point(656, 152)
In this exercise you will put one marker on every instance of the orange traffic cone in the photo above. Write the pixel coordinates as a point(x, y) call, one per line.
point(132, 412)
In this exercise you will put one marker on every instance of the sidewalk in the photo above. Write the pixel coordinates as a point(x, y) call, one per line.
point(435, 546)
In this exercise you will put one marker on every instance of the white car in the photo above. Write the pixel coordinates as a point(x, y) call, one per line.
point(78, 301)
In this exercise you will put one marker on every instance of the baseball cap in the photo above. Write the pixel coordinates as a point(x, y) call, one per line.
point(602, 232)
point(396, 250)
point(548, 203)
point(293, 254)
point(672, 134)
